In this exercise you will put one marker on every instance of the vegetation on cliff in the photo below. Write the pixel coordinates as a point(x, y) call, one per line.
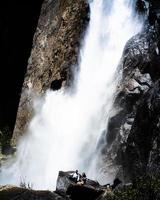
point(143, 188)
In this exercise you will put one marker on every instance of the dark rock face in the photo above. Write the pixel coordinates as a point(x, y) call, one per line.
point(54, 55)
point(133, 132)
point(77, 192)
point(144, 137)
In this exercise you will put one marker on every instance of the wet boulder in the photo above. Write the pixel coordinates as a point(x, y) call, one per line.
point(63, 181)
point(89, 191)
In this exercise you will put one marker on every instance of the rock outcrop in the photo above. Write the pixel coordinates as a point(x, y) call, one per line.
point(133, 132)
point(54, 56)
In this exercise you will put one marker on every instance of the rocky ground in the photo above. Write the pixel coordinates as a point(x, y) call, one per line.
point(10, 192)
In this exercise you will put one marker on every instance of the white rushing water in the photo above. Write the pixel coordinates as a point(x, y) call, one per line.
point(65, 132)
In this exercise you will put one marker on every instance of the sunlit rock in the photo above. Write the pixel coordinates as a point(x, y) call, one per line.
point(54, 54)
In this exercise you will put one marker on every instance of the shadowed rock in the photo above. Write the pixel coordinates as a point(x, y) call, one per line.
point(87, 192)
point(133, 141)
point(56, 84)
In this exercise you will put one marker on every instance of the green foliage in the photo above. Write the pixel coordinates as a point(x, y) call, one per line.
point(144, 188)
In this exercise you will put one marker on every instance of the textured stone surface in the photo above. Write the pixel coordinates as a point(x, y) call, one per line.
point(133, 132)
point(91, 190)
point(54, 55)
point(64, 181)
point(143, 142)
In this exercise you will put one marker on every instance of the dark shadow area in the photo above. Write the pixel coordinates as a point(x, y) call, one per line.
point(18, 22)
point(56, 85)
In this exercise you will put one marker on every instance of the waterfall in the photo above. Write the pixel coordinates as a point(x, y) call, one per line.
point(66, 130)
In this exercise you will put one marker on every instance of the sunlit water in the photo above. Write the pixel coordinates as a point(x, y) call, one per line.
point(65, 132)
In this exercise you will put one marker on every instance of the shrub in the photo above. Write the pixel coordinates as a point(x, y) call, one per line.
point(143, 188)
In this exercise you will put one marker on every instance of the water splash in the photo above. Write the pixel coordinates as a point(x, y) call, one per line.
point(64, 134)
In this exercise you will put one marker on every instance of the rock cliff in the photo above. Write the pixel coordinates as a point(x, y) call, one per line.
point(133, 132)
point(54, 54)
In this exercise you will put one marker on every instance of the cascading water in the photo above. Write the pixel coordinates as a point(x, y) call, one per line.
point(65, 131)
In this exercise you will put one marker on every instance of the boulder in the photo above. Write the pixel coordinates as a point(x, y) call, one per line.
point(63, 181)
point(89, 191)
